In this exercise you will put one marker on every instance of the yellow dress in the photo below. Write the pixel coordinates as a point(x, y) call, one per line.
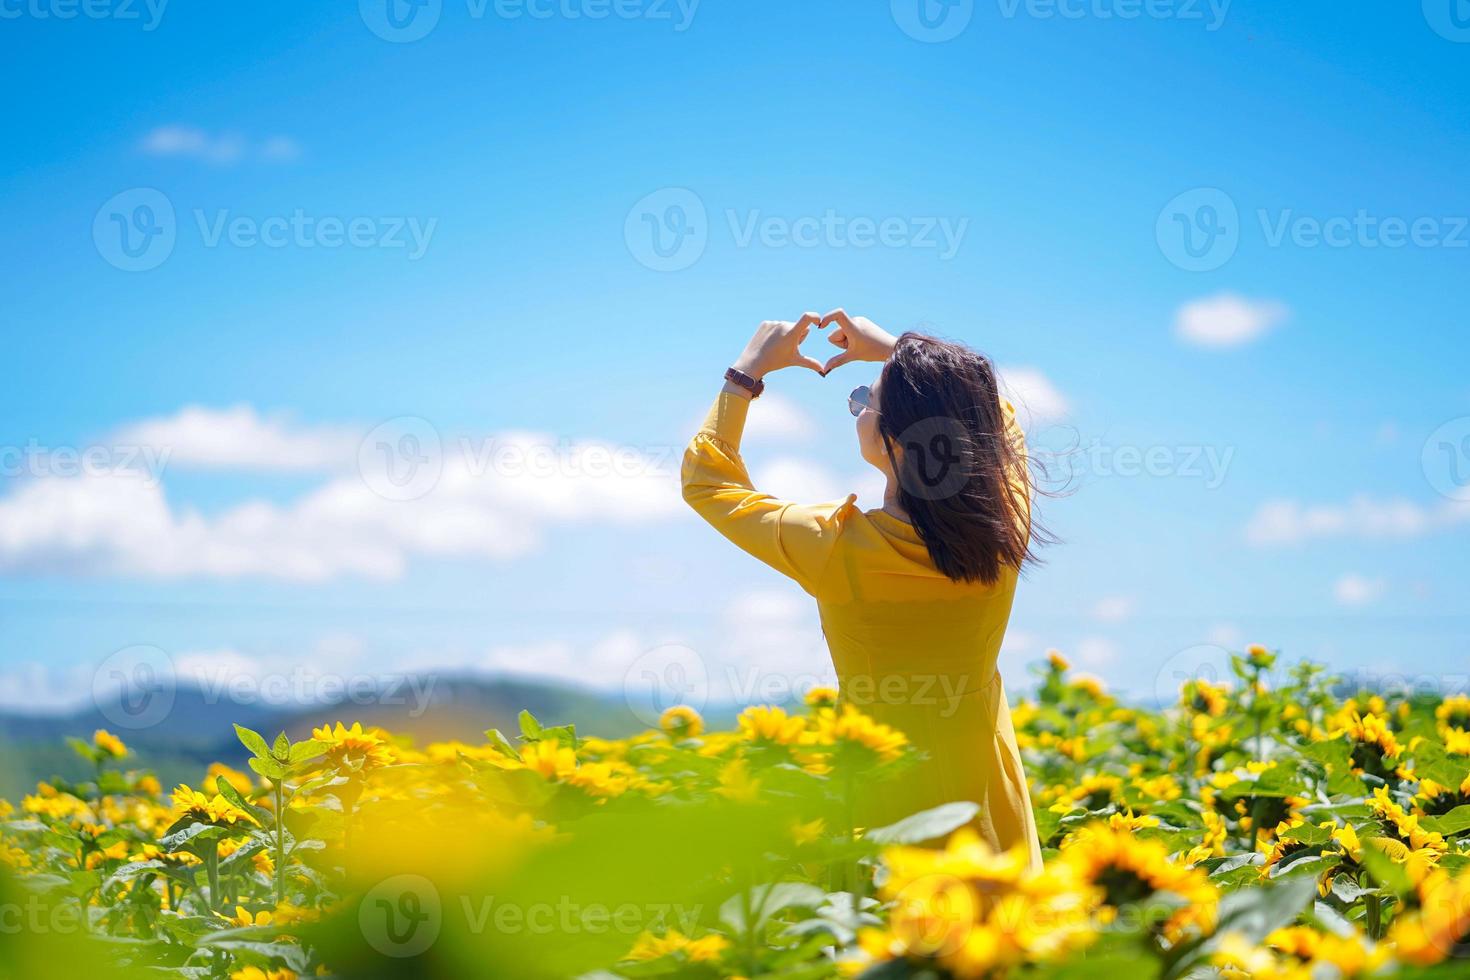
point(912, 648)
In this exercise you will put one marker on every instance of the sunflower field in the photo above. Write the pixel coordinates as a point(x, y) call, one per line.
point(1265, 825)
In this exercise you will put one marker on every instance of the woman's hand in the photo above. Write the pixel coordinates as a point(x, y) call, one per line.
point(776, 345)
point(860, 339)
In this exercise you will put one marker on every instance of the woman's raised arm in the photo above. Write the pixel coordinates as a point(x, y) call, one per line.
point(795, 539)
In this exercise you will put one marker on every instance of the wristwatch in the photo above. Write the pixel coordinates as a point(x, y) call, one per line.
point(752, 385)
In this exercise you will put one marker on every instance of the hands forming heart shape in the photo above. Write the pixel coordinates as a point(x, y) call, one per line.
point(777, 344)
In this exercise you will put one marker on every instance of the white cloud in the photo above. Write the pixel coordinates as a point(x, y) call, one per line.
point(771, 648)
point(602, 664)
point(485, 505)
point(1289, 522)
point(1113, 609)
point(241, 438)
point(1094, 651)
point(791, 478)
point(1038, 401)
point(1227, 320)
point(40, 687)
point(1224, 635)
point(218, 148)
point(776, 418)
point(1356, 590)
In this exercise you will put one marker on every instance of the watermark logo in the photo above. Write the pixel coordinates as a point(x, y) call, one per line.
point(663, 677)
point(400, 21)
point(668, 230)
point(401, 916)
point(1449, 18)
point(1204, 662)
point(402, 459)
point(933, 460)
point(1199, 231)
point(1446, 459)
point(135, 687)
point(135, 230)
point(933, 21)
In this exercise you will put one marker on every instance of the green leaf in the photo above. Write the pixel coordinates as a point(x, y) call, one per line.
point(926, 825)
point(498, 739)
point(268, 767)
point(1252, 913)
point(190, 837)
point(262, 816)
point(1454, 822)
point(1384, 872)
point(1308, 833)
point(252, 741)
point(282, 749)
point(765, 901)
point(130, 871)
point(290, 953)
point(530, 727)
point(305, 751)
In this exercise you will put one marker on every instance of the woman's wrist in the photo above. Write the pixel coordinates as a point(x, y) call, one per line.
point(749, 366)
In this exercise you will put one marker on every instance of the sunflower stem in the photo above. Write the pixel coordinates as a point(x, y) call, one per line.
point(280, 872)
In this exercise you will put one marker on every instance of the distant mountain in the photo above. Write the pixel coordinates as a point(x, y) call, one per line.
point(196, 728)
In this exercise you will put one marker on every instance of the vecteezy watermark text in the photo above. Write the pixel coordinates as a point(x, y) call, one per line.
point(148, 12)
point(405, 21)
point(1200, 230)
point(137, 229)
point(669, 230)
point(35, 460)
point(403, 916)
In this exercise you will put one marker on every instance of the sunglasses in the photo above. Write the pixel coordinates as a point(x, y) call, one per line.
point(860, 399)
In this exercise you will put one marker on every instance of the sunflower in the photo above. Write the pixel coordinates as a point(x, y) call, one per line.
point(1454, 713)
point(852, 730)
point(1440, 929)
point(705, 949)
point(1437, 800)
point(1260, 657)
point(737, 784)
point(214, 810)
point(1204, 698)
point(977, 912)
point(1374, 743)
point(353, 749)
point(109, 744)
point(771, 726)
point(234, 777)
point(256, 973)
point(242, 917)
point(821, 697)
point(1411, 845)
point(1130, 871)
point(681, 721)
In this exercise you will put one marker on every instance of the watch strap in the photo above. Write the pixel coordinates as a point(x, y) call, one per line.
point(752, 385)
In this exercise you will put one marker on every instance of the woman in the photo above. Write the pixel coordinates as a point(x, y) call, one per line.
point(915, 595)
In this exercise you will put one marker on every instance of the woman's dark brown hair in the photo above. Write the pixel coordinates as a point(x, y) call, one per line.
point(963, 475)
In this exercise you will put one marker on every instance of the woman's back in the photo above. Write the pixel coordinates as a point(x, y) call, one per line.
point(912, 647)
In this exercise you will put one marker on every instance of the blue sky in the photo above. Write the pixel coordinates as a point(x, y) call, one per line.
point(1298, 380)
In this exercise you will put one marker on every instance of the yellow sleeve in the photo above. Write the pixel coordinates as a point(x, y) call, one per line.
point(795, 539)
